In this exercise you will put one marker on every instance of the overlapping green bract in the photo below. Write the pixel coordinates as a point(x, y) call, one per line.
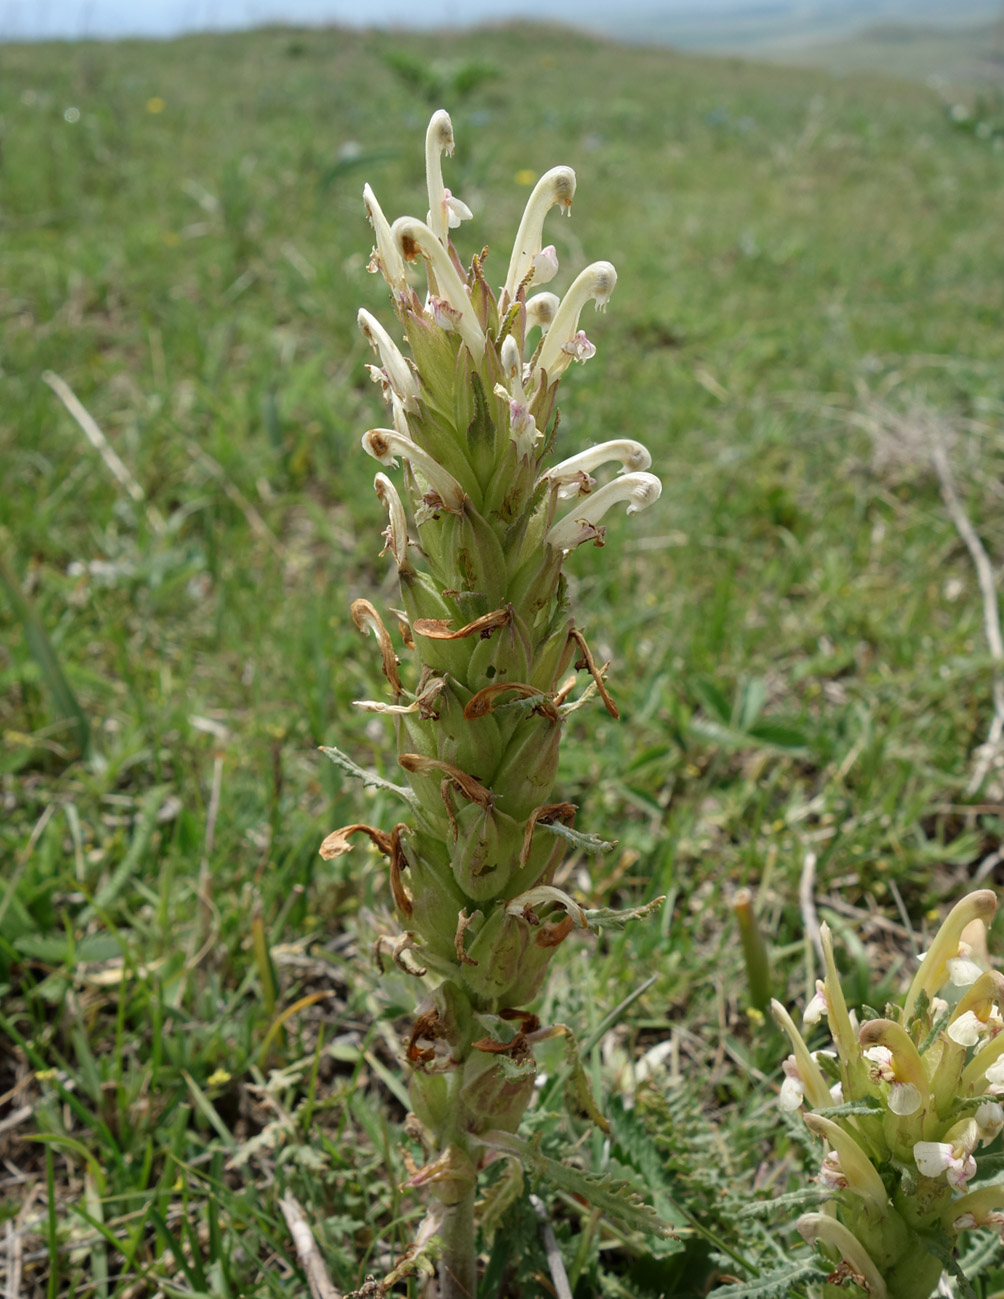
point(902, 1105)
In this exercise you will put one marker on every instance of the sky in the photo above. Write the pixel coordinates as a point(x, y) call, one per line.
point(73, 19)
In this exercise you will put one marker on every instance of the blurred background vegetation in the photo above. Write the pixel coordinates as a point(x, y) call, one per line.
point(808, 310)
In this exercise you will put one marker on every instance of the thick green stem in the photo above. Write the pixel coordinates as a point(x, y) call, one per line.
point(458, 1275)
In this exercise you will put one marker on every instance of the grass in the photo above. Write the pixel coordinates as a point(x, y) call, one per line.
point(190, 1016)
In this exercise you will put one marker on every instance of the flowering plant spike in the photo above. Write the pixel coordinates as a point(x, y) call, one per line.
point(902, 1105)
point(478, 720)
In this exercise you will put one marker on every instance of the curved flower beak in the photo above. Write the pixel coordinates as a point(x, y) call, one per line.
point(813, 1082)
point(861, 1175)
point(555, 188)
point(367, 619)
point(385, 445)
point(820, 1227)
point(983, 1207)
point(400, 377)
point(639, 490)
point(977, 1014)
point(574, 474)
point(844, 1035)
point(563, 342)
point(386, 259)
point(397, 525)
point(891, 1049)
point(445, 211)
point(413, 238)
point(935, 970)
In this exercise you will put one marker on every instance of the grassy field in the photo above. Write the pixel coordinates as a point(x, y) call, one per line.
point(809, 302)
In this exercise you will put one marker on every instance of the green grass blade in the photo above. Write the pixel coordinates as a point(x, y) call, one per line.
point(44, 654)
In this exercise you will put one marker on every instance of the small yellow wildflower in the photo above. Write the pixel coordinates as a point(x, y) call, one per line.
point(155, 104)
point(218, 1078)
point(525, 176)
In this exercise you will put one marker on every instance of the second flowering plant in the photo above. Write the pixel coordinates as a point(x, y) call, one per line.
point(479, 535)
point(903, 1103)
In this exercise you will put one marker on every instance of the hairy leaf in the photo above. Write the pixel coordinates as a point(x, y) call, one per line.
point(502, 1193)
point(795, 1202)
point(579, 1096)
point(609, 918)
point(369, 778)
point(585, 842)
point(619, 1200)
point(773, 1285)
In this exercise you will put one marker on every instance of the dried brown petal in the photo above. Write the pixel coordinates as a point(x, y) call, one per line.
point(402, 898)
point(553, 935)
point(428, 1027)
point(547, 814)
point(528, 1021)
point(337, 842)
point(397, 947)
point(463, 920)
point(367, 619)
point(595, 672)
point(439, 628)
point(469, 786)
point(481, 704)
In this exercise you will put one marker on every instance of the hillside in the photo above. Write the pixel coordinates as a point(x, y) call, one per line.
point(960, 56)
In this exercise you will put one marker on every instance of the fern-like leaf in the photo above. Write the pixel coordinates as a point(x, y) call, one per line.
point(369, 778)
point(608, 918)
point(772, 1285)
point(941, 1245)
point(866, 1105)
point(587, 842)
point(621, 1201)
point(984, 1251)
point(499, 1198)
point(795, 1202)
point(579, 1098)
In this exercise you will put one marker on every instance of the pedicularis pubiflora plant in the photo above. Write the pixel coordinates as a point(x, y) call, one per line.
point(479, 711)
point(903, 1105)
